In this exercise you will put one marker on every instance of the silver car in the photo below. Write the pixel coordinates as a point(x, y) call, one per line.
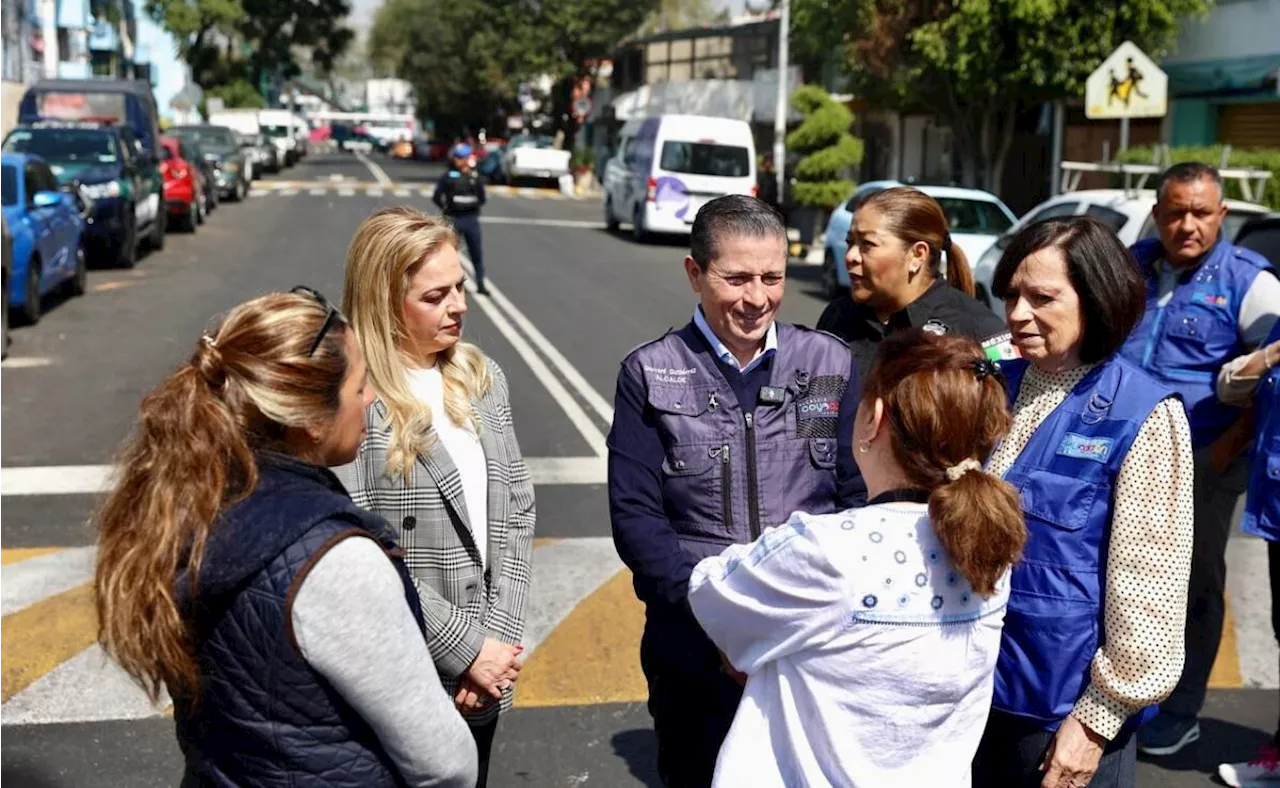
point(221, 146)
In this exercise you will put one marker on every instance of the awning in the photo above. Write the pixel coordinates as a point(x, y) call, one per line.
point(1222, 77)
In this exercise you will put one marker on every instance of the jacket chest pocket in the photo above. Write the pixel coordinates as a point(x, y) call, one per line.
point(1203, 328)
point(1058, 510)
point(698, 489)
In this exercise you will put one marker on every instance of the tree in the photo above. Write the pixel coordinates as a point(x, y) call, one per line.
point(980, 63)
point(228, 40)
point(829, 152)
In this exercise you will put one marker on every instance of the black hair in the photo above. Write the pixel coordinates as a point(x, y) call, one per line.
point(1112, 291)
point(1188, 172)
point(733, 214)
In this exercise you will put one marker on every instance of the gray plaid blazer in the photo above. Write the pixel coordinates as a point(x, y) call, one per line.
point(462, 601)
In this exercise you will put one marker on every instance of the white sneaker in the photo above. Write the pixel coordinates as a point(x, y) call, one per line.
point(1261, 772)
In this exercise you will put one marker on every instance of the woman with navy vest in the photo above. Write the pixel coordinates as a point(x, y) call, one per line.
point(1101, 455)
point(235, 573)
point(1256, 377)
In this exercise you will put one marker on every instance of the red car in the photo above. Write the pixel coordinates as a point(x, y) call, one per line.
point(184, 191)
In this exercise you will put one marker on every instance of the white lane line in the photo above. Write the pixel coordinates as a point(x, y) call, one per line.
point(373, 191)
point(89, 687)
point(346, 192)
point(288, 192)
point(28, 362)
point(565, 572)
point(1251, 608)
point(428, 193)
point(402, 192)
point(316, 192)
point(568, 470)
point(378, 173)
point(572, 223)
point(27, 582)
point(590, 432)
point(570, 373)
point(97, 479)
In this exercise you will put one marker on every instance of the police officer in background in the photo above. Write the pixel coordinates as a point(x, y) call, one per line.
point(1207, 303)
point(459, 196)
point(721, 429)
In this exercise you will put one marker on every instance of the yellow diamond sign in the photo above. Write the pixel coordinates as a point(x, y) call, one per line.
point(1128, 84)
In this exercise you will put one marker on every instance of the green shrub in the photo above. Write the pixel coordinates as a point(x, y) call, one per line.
point(829, 151)
point(1255, 158)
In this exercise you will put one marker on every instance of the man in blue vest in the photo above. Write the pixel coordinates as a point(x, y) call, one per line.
point(721, 429)
point(460, 195)
point(1207, 303)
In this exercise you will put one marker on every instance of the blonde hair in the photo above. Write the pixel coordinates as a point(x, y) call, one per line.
point(387, 251)
point(190, 457)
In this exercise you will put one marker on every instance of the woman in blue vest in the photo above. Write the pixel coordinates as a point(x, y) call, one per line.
point(235, 573)
point(1256, 377)
point(1101, 455)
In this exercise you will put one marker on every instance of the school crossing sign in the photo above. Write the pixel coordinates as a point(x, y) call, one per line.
point(1128, 84)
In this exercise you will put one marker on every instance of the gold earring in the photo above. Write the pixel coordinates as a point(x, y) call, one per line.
point(864, 446)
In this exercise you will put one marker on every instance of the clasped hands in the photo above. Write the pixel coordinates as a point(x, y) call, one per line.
point(492, 672)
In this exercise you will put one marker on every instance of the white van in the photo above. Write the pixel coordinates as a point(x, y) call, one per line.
point(281, 127)
point(668, 166)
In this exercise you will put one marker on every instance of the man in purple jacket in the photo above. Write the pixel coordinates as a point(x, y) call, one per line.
point(721, 429)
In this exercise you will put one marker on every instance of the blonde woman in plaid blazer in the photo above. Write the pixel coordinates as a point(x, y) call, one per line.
point(404, 296)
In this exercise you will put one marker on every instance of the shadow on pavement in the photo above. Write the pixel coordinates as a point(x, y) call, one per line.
point(29, 776)
point(1220, 741)
point(638, 748)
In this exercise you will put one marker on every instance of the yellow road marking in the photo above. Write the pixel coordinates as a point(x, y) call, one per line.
point(37, 639)
point(1226, 668)
point(105, 286)
point(593, 656)
point(12, 555)
point(543, 541)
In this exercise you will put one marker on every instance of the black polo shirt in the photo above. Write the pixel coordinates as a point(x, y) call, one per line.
point(941, 309)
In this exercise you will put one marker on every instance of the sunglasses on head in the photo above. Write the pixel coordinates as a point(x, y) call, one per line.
point(331, 316)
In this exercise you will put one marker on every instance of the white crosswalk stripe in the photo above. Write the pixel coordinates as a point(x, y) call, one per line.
point(368, 189)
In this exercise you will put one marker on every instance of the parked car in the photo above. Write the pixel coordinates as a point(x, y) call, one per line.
point(130, 106)
point(1128, 213)
point(437, 150)
point(1262, 235)
point(353, 138)
point(668, 166)
point(280, 128)
point(208, 167)
point(6, 255)
point(245, 123)
point(231, 161)
point(48, 234)
point(184, 185)
point(104, 161)
point(976, 219)
point(534, 157)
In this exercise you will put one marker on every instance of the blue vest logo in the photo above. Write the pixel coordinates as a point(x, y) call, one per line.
point(1208, 298)
point(1082, 448)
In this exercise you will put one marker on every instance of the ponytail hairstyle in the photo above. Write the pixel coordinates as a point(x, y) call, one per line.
point(913, 216)
point(191, 456)
point(387, 251)
point(945, 408)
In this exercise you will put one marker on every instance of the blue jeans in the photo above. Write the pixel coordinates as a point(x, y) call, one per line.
point(1012, 750)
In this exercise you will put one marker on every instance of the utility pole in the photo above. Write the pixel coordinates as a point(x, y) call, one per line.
point(780, 111)
point(49, 33)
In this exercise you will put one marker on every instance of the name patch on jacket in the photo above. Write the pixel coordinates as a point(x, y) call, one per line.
point(1208, 298)
point(818, 407)
point(1082, 448)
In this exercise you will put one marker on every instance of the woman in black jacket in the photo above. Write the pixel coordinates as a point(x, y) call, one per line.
point(905, 272)
point(234, 571)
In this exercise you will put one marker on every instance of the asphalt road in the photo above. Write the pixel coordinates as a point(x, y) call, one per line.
point(570, 300)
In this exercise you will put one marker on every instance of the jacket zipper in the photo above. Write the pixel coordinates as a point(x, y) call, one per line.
point(753, 497)
point(726, 483)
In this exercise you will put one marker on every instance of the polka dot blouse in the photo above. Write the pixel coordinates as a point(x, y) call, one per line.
point(1149, 554)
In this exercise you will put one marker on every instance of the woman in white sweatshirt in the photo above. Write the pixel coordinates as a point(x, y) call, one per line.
point(869, 637)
